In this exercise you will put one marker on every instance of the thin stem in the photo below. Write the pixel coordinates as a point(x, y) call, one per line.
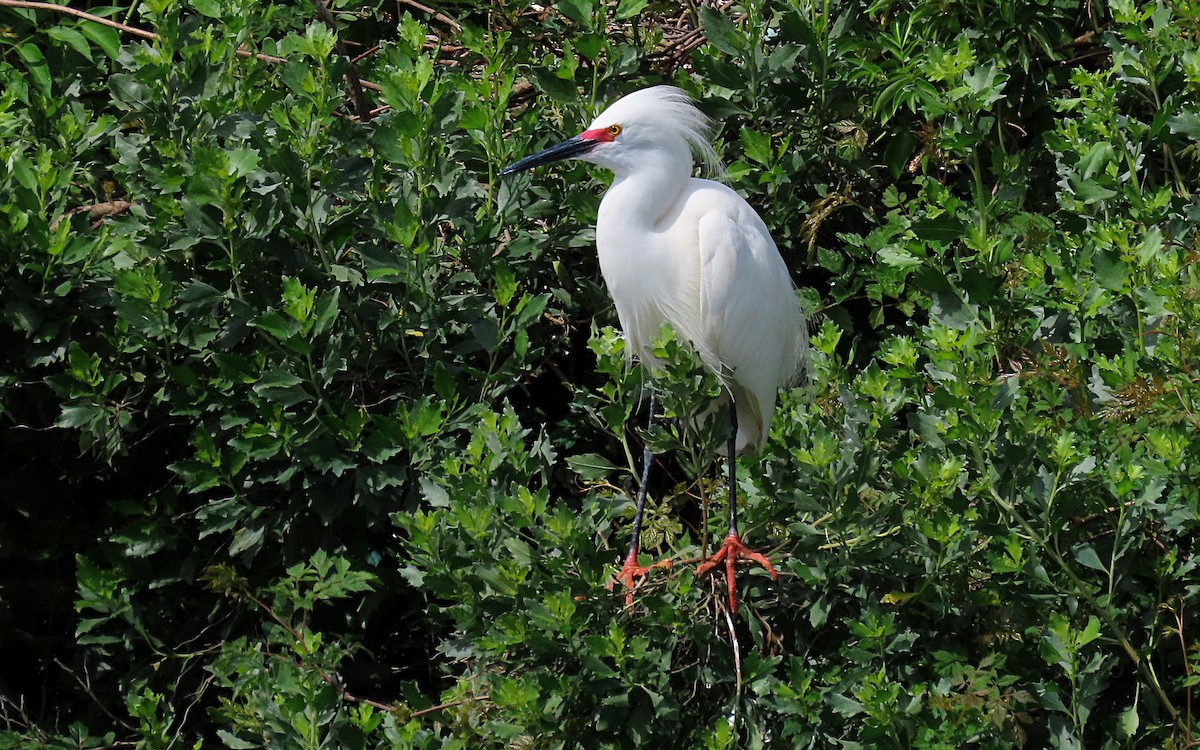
point(1081, 591)
point(737, 670)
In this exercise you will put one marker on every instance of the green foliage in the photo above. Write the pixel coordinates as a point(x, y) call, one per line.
point(321, 434)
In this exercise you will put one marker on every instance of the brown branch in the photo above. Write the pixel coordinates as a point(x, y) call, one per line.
point(451, 704)
point(347, 695)
point(79, 14)
point(436, 14)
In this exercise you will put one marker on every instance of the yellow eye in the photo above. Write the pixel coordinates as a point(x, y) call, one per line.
point(614, 130)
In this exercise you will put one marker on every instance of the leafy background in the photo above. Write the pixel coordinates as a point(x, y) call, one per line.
point(315, 433)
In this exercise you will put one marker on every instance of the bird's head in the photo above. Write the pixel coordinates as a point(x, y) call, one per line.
point(653, 123)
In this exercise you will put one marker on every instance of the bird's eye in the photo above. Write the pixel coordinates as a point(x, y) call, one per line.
point(614, 130)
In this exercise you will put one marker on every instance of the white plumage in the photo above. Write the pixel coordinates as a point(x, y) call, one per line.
point(692, 253)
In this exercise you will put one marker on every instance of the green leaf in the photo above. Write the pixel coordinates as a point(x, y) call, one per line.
point(579, 11)
point(210, 8)
point(950, 310)
point(721, 32)
point(277, 325)
point(22, 170)
point(560, 90)
point(898, 257)
point(629, 8)
point(1087, 556)
point(1096, 158)
point(756, 145)
point(297, 299)
point(1090, 191)
point(506, 284)
point(1111, 271)
point(592, 466)
point(326, 311)
point(106, 38)
point(243, 161)
point(72, 38)
point(843, 705)
point(944, 228)
point(1187, 123)
point(35, 63)
point(1128, 722)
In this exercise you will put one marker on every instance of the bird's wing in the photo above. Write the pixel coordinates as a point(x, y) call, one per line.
point(750, 314)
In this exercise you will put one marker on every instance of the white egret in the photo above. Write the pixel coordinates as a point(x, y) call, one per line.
point(692, 253)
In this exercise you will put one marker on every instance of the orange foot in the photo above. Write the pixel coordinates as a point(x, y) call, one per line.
point(730, 551)
point(631, 571)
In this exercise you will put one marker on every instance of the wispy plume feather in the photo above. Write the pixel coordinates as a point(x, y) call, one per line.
point(678, 112)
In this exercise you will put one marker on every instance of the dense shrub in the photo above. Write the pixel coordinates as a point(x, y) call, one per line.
point(318, 434)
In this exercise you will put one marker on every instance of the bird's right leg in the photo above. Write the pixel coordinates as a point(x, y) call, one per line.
point(733, 549)
point(631, 571)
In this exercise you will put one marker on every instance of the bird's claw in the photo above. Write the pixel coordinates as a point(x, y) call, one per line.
point(731, 550)
point(631, 572)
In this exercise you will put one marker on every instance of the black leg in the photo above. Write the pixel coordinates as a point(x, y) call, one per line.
point(640, 506)
point(733, 549)
point(733, 528)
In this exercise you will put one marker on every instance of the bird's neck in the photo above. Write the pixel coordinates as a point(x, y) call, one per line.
point(640, 197)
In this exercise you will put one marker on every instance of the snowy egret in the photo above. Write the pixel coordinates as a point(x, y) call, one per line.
point(692, 253)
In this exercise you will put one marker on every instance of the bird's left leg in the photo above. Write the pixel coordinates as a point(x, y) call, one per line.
point(733, 548)
point(631, 571)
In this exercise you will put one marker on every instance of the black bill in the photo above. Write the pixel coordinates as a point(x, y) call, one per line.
point(565, 150)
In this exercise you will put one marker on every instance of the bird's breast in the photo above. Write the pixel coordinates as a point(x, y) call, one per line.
point(650, 285)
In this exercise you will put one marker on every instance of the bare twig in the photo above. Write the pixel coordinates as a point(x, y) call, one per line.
point(87, 688)
point(436, 14)
point(79, 14)
point(95, 211)
point(451, 704)
point(351, 697)
point(737, 666)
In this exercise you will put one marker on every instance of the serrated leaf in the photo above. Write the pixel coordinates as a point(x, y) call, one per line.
point(897, 257)
point(1128, 722)
point(434, 493)
point(844, 705)
point(1187, 123)
point(756, 145)
point(1096, 158)
point(243, 160)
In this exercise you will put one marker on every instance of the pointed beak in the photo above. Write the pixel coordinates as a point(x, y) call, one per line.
point(568, 149)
